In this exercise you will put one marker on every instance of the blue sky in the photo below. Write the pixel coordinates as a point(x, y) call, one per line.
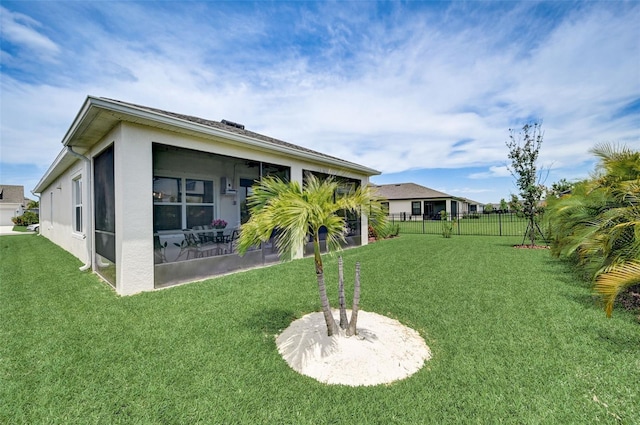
point(425, 92)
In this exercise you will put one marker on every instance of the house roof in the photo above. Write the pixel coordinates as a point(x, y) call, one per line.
point(229, 127)
point(11, 194)
point(99, 115)
point(408, 191)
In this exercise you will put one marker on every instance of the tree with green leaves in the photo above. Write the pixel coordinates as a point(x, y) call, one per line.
point(598, 224)
point(560, 188)
point(504, 207)
point(296, 212)
point(524, 148)
point(515, 205)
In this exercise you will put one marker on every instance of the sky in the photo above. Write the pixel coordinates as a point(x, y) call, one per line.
point(424, 92)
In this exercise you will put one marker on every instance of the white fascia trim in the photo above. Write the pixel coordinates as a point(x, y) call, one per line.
point(59, 162)
point(201, 128)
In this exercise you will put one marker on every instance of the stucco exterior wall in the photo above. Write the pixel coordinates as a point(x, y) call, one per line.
point(399, 206)
point(133, 166)
point(56, 212)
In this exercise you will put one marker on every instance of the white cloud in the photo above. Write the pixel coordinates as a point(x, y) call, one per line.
point(494, 171)
point(395, 94)
point(21, 29)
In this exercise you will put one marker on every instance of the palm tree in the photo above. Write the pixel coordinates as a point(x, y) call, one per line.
point(293, 212)
point(598, 224)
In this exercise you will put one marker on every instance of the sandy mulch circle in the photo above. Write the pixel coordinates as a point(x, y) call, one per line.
point(384, 350)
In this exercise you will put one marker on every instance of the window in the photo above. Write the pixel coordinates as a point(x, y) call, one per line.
point(167, 203)
point(415, 208)
point(180, 203)
point(77, 204)
point(199, 202)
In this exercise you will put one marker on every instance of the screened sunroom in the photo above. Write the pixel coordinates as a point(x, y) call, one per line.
point(148, 198)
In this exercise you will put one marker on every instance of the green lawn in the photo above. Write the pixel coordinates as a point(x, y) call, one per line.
point(20, 229)
point(515, 339)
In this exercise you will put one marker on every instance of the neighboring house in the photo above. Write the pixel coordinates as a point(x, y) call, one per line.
point(12, 203)
point(410, 201)
point(135, 191)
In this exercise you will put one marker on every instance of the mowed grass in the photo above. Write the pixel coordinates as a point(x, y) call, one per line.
point(516, 338)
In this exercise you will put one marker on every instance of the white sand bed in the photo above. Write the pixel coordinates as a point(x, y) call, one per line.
point(384, 350)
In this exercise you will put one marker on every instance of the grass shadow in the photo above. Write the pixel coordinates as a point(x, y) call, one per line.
point(271, 321)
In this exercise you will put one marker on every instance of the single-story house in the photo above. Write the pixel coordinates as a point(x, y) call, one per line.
point(148, 198)
point(410, 201)
point(12, 203)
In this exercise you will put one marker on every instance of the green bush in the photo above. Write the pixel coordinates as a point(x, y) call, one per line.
point(389, 231)
point(26, 219)
point(447, 226)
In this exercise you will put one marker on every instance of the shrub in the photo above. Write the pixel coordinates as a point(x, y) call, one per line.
point(372, 232)
point(447, 226)
point(25, 219)
point(389, 231)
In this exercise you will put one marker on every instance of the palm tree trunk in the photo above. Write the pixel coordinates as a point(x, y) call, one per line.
point(344, 321)
point(356, 304)
point(332, 327)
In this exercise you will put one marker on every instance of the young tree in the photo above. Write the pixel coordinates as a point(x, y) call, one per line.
point(295, 212)
point(524, 147)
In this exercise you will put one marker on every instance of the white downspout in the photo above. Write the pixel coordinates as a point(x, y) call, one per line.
point(87, 209)
point(39, 206)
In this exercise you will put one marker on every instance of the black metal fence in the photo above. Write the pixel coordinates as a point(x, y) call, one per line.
point(494, 224)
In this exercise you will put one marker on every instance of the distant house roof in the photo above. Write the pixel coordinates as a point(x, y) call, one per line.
point(11, 194)
point(472, 202)
point(408, 191)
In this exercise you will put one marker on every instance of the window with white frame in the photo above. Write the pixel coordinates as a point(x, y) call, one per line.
point(77, 204)
point(181, 203)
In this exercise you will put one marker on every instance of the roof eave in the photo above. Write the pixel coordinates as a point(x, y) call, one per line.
point(61, 163)
point(145, 115)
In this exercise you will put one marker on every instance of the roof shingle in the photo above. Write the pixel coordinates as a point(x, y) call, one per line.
point(408, 191)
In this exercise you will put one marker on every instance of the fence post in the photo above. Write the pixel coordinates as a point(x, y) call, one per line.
point(500, 223)
point(423, 225)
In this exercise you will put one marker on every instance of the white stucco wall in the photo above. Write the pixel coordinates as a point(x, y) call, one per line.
point(133, 164)
point(56, 212)
point(399, 206)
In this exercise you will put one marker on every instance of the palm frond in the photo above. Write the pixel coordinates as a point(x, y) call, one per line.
point(617, 278)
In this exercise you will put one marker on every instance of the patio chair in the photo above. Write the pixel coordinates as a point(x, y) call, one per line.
point(233, 241)
point(199, 247)
point(210, 235)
